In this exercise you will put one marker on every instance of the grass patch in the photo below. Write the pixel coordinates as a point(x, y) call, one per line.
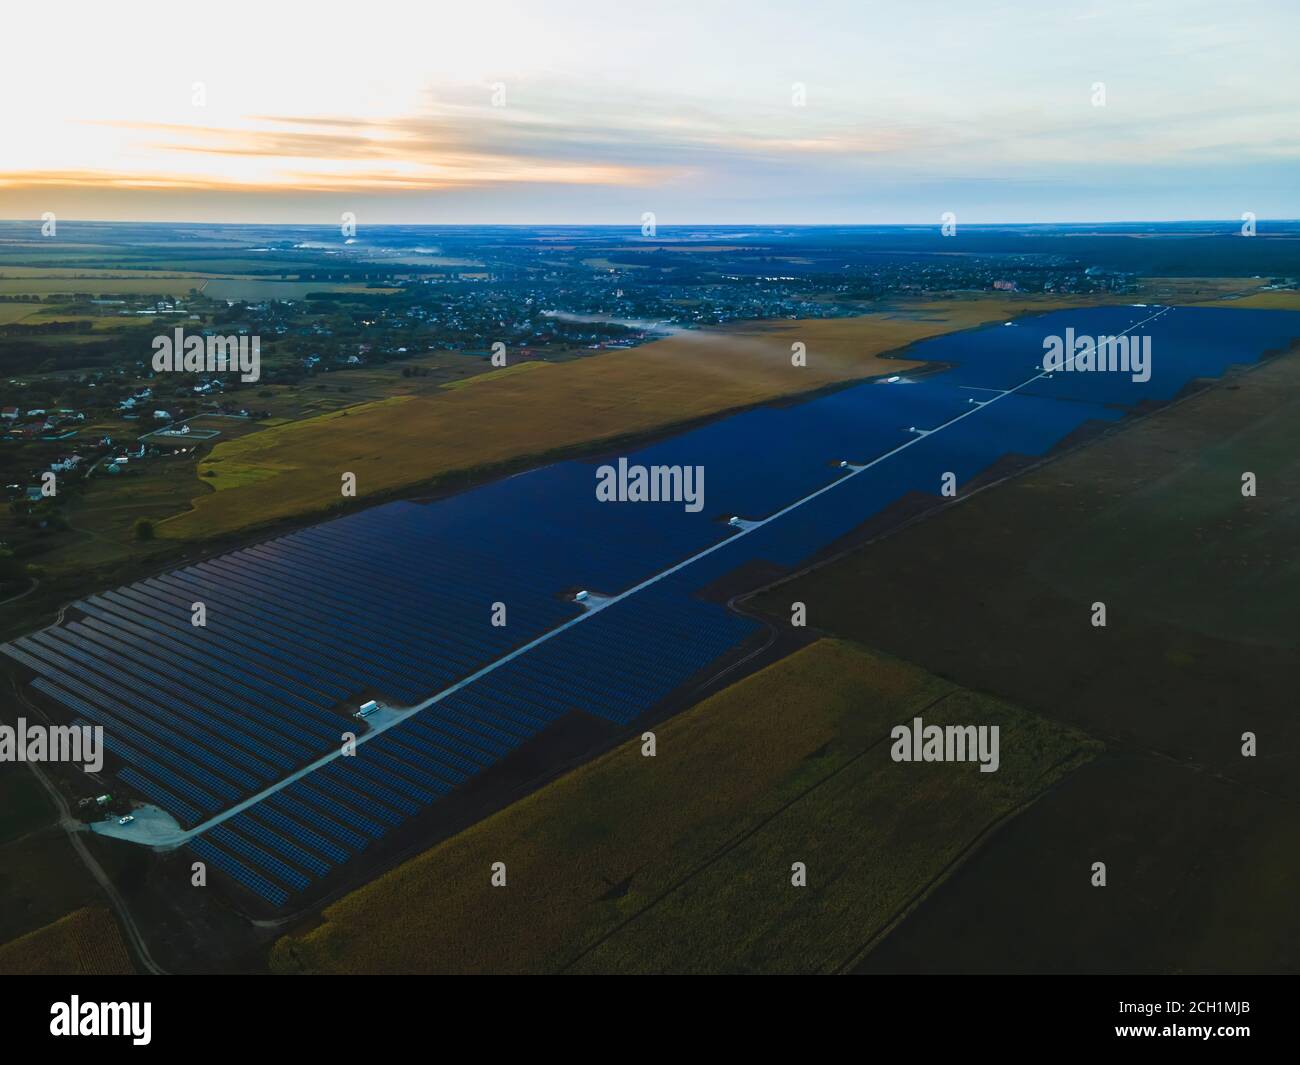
point(102, 515)
point(16, 312)
point(165, 285)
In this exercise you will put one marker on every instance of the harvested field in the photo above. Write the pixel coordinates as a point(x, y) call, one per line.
point(682, 862)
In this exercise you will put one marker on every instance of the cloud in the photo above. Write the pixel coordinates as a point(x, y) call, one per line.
point(683, 107)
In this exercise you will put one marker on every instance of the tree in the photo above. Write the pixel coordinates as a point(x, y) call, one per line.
point(143, 529)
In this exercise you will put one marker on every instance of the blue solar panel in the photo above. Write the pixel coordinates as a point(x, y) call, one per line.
point(253, 828)
point(233, 867)
point(291, 829)
point(178, 808)
point(259, 858)
point(396, 599)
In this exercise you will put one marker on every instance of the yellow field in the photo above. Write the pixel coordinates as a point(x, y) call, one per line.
point(497, 374)
point(682, 861)
point(84, 943)
point(297, 469)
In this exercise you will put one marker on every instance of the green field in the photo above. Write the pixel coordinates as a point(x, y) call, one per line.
point(102, 515)
point(163, 285)
point(682, 862)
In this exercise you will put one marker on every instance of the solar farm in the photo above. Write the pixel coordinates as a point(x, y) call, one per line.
point(235, 727)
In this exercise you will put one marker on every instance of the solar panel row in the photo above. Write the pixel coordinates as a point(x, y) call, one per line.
point(398, 600)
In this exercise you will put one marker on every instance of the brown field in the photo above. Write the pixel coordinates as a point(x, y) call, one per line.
point(41, 878)
point(86, 942)
point(1202, 876)
point(296, 469)
point(1193, 661)
point(1201, 587)
point(681, 862)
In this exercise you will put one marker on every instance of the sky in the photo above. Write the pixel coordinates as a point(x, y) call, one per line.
point(558, 111)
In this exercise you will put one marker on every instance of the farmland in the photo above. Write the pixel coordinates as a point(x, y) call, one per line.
point(1288, 300)
point(1122, 522)
point(630, 862)
point(84, 943)
point(680, 863)
point(16, 312)
point(162, 285)
point(41, 879)
point(1190, 827)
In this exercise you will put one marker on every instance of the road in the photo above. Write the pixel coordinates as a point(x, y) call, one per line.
point(74, 829)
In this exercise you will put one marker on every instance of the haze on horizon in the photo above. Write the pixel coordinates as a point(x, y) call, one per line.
point(576, 112)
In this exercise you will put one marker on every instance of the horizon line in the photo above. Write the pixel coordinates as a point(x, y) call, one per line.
point(665, 226)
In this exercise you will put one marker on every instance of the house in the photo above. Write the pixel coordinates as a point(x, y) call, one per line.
point(162, 416)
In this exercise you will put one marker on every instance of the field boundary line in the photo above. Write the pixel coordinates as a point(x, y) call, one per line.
point(730, 845)
point(976, 844)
